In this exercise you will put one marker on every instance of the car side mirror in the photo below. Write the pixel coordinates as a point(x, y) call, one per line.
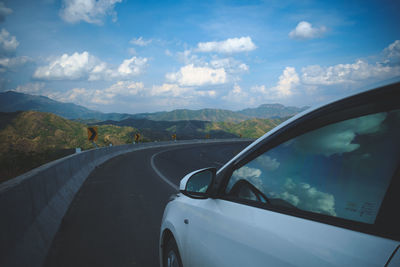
point(196, 184)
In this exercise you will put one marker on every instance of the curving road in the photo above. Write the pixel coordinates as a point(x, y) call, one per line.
point(115, 218)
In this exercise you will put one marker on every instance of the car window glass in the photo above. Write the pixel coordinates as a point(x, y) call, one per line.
point(342, 170)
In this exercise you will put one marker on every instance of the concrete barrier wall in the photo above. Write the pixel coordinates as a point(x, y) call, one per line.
point(32, 205)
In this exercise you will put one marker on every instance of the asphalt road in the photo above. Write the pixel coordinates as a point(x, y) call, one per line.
point(115, 217)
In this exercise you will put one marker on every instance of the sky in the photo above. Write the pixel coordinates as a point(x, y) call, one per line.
point(146, 56)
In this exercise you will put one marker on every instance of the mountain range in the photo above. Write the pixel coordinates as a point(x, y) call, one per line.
point(13, 101)
point(36, 129)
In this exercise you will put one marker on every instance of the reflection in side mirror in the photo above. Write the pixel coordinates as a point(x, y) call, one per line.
point(198, 182)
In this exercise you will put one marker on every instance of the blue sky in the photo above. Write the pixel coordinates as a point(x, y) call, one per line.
point(144, 56)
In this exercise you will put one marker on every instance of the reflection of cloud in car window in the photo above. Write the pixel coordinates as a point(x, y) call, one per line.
point(306, 197)
point(268, 163)
point(337, 138)
point(247, 173)
point(250, 174)
point(203, 189)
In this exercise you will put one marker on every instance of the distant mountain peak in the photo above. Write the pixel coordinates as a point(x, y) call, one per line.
point(12, 101)
point(268, 111)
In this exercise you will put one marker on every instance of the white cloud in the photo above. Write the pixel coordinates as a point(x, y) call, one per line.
point(168, 89)
point(314, 79)
point(12, 63)
point(237, 95)
point(261, 89)
point(288, 81)
point(76, 95)
point(69, 67)
point(177, 91)
point(268, 163)
point(90, 11)
point(249, 174)
point(190, 75)
point(347, 73)
point(306, 197)
point(124, 95)
point(392, 53)
point(86, 66)
point(355, 73)
point(231, 65)
point(206, 93)
point(123, 92)
point(30, 88)
point(338, 138)
point(365, 125)
point(120, 89)
point(337, 142)
point(140, 41)
point(125, 88)
point(304, 30)
point(292, 199)
point(187, 57)
point(8, 43)
point(80, 96)
point(231, 45)
point(132, 66)
point(111, 95)
point(129, 68)
point(4, 11)
point(97, 71)
point(8, 46)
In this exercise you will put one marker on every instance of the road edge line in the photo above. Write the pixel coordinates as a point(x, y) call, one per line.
point(162, 176)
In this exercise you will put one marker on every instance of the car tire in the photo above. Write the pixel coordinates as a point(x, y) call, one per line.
point(171, 257)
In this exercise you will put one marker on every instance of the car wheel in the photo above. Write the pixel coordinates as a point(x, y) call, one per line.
point(171, 256)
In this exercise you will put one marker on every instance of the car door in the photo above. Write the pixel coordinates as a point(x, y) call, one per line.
point(320, 194)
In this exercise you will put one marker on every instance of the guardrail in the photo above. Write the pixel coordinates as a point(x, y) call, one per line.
point(32, 205)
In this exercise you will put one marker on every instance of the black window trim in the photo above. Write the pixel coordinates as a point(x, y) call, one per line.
point(370, 102)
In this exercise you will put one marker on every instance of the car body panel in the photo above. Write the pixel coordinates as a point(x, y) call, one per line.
point(172, 219)
point(212, 238)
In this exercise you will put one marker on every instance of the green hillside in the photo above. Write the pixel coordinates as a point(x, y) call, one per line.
point(193, 129)
point(271, 111)
point(30, 139)
point(214, 115)
point(254, 128)
point(163, 130)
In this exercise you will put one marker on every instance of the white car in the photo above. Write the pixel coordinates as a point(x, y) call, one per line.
point(321, 189)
